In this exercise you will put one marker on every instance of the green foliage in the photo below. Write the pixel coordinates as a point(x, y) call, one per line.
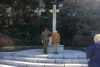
point(75, 19)
point(72, 20)
point(48, 4)
point(82, 41)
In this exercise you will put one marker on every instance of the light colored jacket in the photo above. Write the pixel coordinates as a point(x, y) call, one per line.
point(55, 37)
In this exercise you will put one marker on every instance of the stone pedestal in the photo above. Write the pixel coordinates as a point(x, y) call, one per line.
point(51, 48)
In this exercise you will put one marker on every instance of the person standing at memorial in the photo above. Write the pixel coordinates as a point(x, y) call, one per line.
point(45, 38)
point(55, 41)
point(93, 52)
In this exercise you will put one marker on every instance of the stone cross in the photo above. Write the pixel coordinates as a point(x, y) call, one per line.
point(54, 17)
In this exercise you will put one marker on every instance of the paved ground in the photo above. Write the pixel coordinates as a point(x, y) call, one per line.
point(36, 58)
point(39, 52)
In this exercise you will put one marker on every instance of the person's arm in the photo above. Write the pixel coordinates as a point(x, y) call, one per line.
point(49, 33)
point(89, 51)
point(42, 37)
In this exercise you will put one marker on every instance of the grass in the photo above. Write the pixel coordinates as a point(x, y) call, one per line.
point(76, 48)
point(18, 48)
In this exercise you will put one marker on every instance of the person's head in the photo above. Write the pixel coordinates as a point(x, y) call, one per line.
point(46, 28)
point(97, 38)
point(55, 32)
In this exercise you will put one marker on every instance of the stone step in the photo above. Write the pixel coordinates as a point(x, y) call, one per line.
point(3, 65)
point(30, 64)
point(55, 56)
point(45, 60)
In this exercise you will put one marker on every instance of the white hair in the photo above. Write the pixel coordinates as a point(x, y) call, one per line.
point(55, 31)
point(97, 38)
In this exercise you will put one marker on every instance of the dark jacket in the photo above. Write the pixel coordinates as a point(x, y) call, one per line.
point(93, 53)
